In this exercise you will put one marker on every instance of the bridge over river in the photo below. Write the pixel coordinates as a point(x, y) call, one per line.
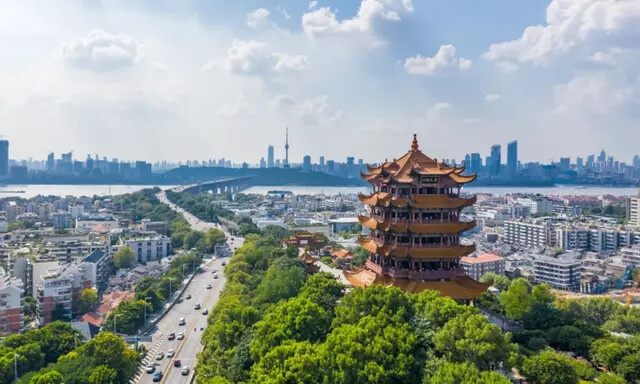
point(217, 187)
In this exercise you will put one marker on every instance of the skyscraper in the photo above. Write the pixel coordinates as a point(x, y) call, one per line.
point(270, 157)
point(476, 163)
point(602, 156)
point(512, 158)
point(322, 161)
point(306, 163)
point(4, 158)
point(262, 163)
point(51, 161)
point(496, 161)
point(286, 150)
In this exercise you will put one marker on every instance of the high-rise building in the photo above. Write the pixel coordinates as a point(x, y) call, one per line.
point(565, 163)
point(602, 156)
point(590, 161)
point(636, 161)
point(476, 163)
point(51, 161)
point(322, 161)
point(496, 160)
point(421, 247)
point(331, 166)
point(286, 150)
point(4, 158)
point(512, 158)
point(306, 163)
point(633, 211)
point(270, 157)
point(579, 162)
point(263, 164)
point(350, 160)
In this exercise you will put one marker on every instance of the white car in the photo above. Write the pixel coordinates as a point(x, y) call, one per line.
point(208, 286)
point(151, 368)
point(180, 337)
point(185, 371)
point(160, 356)
point(170, 353)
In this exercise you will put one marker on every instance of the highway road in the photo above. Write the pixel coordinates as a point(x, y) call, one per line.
point(187, 349)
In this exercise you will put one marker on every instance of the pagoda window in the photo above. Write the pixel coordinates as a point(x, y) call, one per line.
point(414, 190)
point(404, 192)
point(383, 188)
point(393, 191)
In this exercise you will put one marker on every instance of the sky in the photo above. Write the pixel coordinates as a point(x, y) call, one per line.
point(200, 79)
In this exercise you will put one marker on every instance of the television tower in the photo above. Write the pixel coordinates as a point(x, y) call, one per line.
point(286, 150)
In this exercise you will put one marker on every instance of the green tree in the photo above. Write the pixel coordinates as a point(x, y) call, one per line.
point(568, 338)
point(465, 373)
point(59, 313)
point(214, 237)
point(376, 349)
point(629, 367)
point(517, 299)
point(322, 289)
point(372, 300)
point(489, 301)
point(542, 294)
point(610, 378)
point(88, 300)
point(549, 367)
point(103, 374)
point(30, 306)
point(51, 377)
point(124, 257)
point(438, 309)
point(473, 339)
point(111, 352)
point(608, 352)
point(500, 282)
point(297, 319)
point(282, 281)
point(192, 238)
point(291, 362)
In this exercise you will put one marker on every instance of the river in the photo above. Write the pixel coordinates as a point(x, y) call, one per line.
point(29, 191)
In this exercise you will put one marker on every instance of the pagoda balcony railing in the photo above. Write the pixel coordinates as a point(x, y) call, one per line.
point(416, 221)
point(382, 243)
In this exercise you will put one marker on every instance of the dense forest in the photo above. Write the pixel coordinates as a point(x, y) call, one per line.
point(275, 323)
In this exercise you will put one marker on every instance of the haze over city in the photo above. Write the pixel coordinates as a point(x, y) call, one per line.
point(164, 80)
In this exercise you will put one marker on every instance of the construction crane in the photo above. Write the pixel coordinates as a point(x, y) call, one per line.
point(633, 289)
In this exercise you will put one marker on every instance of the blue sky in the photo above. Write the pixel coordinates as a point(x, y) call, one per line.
point(194, 79)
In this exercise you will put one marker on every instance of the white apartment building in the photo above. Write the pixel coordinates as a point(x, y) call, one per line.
point(54, 290)
point(76, 211)
point(527, 233)
point(11, 304)
point(603, 240)
point(475, 267)
point(560, 273)
point(150, 248)
point(262, 223)
point(537, 205)
point(631, 255)
point(573, 239)
point(633, 211)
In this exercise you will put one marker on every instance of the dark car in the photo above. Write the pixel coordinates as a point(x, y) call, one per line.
point(157, 376)
point(171, 336)
point(224, 263)
point(188, 297)
point(176, 363)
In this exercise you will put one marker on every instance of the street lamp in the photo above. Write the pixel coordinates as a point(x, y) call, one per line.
point(145, 309)
point(183, 265)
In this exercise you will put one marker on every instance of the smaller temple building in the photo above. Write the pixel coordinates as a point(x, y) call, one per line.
point(414, 218)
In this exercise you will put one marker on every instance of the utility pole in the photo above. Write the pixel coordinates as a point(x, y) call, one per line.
point(15, 366)
point(145, 309)
point(115, 319)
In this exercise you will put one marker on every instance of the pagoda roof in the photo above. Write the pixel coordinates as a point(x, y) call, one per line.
point(452, 252)
point(412, 164)
point(455, 227)
point(458, 287)
point(384, 199)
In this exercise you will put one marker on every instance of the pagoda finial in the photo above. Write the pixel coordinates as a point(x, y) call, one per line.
point(414, 143)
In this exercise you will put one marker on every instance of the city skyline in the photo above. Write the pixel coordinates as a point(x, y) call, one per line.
point(363, 72)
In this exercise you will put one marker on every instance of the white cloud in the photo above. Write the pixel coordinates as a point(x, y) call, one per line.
point(445, 60)
point(256, 58)
point(323, 21)
point(315, 110)
point(284, 12)
point(313, 4)
point(258, 18)
point(597, 93)
point(507, 67)
point(249, 57)
point(577, 26)
point(102, 51)
point(287, 62)
point(491, 97)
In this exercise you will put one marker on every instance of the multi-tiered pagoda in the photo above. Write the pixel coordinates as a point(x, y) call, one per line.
point(415, 227)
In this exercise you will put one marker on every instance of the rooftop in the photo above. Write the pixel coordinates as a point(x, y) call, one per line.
point(484, 258)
